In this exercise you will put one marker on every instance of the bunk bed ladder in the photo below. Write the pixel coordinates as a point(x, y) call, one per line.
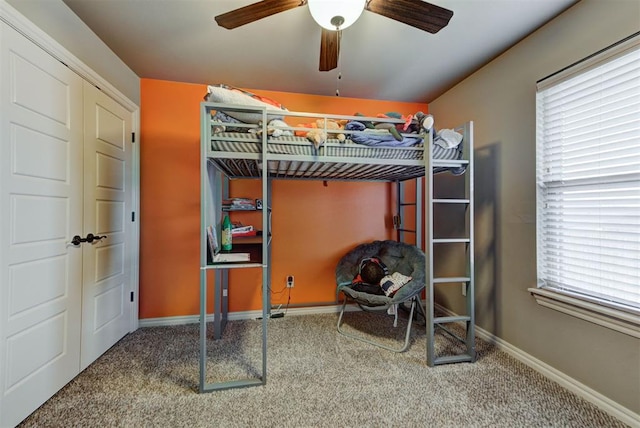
point(403, 204)
point(459, 327)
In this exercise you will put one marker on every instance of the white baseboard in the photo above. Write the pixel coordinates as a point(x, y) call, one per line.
point(244, 315)
point(614, 409)
point(611, 407)
point(594, 397)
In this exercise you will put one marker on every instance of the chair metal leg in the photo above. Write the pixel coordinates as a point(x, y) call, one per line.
point(414, 301)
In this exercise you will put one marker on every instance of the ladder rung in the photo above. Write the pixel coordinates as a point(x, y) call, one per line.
point(445, 320)
point(453, 359)
point(451, 280)
point(450, 240)
point(451, 201)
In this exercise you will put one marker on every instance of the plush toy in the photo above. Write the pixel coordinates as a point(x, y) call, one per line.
point(318, 135)
point(275, 128)
point(424, 122)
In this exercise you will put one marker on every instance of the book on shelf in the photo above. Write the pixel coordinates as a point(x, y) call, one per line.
point(238, 208)
point(241, 229)
point(231, 257)
point(239, 204)
point(247, 233)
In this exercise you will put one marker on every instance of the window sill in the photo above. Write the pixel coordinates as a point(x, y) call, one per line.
point(615, 319)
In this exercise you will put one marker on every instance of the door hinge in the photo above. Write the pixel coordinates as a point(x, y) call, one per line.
point(132, 296)
point(133, 216)
point(133, 137)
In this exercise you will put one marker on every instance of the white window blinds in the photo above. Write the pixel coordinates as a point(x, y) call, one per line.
point(588, 179)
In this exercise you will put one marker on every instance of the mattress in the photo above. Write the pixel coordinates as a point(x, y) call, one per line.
point(238, 154)
point(242, 142)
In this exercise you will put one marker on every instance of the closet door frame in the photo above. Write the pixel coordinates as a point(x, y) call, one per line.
point(14, 19)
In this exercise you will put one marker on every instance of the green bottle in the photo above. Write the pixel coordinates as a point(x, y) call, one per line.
point(226, 234)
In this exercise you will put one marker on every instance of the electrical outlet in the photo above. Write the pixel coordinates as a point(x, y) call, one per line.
point(464, 288)
point(290, 281)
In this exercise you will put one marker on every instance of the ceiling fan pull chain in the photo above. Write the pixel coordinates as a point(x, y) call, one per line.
point(339, 76)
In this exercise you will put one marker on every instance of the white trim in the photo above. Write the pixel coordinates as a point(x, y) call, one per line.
point(171, 321)
point(617, 320)
point(594, 397)
point(135, 206)
point(244, 315)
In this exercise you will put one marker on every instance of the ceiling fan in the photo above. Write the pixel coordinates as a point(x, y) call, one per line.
point(334, 16)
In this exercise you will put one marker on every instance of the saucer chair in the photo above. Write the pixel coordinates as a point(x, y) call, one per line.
point(407, 259)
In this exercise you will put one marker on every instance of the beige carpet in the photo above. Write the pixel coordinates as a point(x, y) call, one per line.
point(315, 378)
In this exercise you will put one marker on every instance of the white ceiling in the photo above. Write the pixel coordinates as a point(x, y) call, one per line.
point(380, 58)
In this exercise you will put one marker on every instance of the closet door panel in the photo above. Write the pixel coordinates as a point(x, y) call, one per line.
point(107, 263)
point(40, 211)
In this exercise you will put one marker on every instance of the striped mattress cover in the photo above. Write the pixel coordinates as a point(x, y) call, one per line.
point(243, 142)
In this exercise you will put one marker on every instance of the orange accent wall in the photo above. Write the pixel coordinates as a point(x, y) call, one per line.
point(313, 224)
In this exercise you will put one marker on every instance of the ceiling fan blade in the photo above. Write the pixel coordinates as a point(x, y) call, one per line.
point(329, 49)
point(255, 11)
point(416, 13)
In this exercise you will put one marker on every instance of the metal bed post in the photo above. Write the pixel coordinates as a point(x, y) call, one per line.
point(212, 185)
point(429, 310)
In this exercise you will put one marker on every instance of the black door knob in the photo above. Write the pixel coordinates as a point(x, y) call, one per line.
point(77, 240)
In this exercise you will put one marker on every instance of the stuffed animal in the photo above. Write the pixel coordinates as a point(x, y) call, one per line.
point(318, 134)
point(425, 122)
point(420, 123)
point(275, 128)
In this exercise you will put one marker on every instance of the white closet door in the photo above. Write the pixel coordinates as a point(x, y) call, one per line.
point(107, 274)
point(41, 209)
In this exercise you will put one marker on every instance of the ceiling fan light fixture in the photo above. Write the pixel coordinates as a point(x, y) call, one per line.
point(336, 14)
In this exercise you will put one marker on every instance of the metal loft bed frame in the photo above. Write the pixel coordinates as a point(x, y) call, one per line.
point(255, 154)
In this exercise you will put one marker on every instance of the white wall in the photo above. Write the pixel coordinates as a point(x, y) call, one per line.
point(500, 99)
point(60, 23)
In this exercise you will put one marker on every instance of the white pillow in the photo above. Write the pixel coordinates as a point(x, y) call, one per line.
point(448, 138)
point(229, 95)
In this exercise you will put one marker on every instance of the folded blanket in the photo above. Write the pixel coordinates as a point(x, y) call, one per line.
point(378, 137)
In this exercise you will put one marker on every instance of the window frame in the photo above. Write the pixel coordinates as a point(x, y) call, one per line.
point(607, 314)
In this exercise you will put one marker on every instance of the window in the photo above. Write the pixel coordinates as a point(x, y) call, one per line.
point(588, 188)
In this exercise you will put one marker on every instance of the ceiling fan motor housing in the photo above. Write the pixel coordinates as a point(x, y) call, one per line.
point(336, 14)
point(337, 21)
